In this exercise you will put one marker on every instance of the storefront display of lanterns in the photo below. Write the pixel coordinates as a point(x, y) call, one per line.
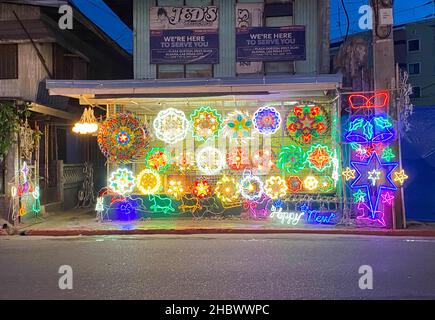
point(206, 123)
point(171, 125)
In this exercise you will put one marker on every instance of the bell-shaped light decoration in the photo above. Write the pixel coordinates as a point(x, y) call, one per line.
point(88, 124)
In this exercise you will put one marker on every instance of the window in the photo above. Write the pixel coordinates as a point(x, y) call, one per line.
point(416, 93)
point(414, 68)
point(8, 61)
point(413, 45)
point(170, 71)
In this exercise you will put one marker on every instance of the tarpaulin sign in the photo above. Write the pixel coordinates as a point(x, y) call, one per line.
point(184, 46)
point(270, 44)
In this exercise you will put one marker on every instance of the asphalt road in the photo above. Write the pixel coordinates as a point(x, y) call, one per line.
point(217, 267)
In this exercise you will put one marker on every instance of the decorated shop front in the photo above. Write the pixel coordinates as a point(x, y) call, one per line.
point(275, 156)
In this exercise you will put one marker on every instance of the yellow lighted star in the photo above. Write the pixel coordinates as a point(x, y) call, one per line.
point(349, 174)
point(400, 176)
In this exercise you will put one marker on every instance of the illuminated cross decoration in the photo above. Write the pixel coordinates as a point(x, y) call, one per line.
point(373, 176)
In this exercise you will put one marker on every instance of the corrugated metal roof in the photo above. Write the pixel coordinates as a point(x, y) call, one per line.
point(228, 85)
point(44, 3)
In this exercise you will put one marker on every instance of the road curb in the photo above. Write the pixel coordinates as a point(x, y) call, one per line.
point(85, 232)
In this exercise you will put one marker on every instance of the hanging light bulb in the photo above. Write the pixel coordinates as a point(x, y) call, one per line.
point(88, 124)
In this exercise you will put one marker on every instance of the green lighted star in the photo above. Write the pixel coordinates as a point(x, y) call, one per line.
point(359, 196)
point(388, 154)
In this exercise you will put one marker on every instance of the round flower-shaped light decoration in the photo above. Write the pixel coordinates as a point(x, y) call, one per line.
point(122, 138)
point(158, 159)
point(267, 120)
point(311, 183)
point(210, 160)
point(294, 184)
point(185, 161)
point(264, 160)
point(307, 123)
point(227, 190)
point(148, 181)
point(292, 159)
point(122, 181)
point(319, 157)
point(176, 188)
point(275, 187)
point(171, 125)
point(238, 159)
point(202, 189)
point(206, 123)
point(326, 184)
point(251, 187)
point(238, 125)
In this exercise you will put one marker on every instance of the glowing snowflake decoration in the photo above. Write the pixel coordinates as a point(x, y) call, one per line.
point(311, 183)
point(148, 181)
point(122, 181)
point(267, 120)
point(171, 125)
point(206, 123)
point(275, 187)
point(227, 190)
point(176, 188)
point(210, 160)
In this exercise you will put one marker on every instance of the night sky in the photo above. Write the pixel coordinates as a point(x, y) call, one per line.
point(404, 11)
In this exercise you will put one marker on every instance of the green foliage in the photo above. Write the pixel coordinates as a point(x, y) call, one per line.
point(11, 117)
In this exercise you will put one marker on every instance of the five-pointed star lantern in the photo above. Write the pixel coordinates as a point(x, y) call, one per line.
point(373, 176)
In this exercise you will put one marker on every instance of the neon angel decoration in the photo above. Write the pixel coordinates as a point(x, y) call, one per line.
point(171, 125)
point(267, 120)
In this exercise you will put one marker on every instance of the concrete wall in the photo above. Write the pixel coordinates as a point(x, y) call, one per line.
point(310, 13)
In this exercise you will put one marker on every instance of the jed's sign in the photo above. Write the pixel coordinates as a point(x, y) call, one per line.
point(270, 44)
point(184, 46)
point(164, 18)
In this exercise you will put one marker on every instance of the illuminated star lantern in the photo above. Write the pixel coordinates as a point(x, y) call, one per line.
point(275, 187)
point(387, 154)
point(227, 190)
point(158, 159)
point(122, 181)
point(326, 184)
point(319, 157)
point(238, 125)
point(311, 183)
point(294, 183)
point(206, 123)
point(400, 176)
point(251, 187)
point(176, 188)
point(267, 120)
point(263, 160)
point(374, 177)
point(306, 123)
point(210, 160)
point(148, 181)
point(348, 174)
point(291, 159)
point(237, 159)
point(387, 198)
point(123, 137)
point(185, 161)
point(171, 125)
point(202, 189)
point(359, 196)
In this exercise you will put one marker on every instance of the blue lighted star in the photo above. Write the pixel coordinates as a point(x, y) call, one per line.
point(373, 187)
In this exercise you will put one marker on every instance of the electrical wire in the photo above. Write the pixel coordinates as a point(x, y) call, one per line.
point(347, 19)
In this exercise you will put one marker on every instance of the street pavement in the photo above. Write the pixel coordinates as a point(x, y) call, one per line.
point(217, 267)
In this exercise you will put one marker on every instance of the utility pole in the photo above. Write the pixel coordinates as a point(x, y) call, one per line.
point(384, 76)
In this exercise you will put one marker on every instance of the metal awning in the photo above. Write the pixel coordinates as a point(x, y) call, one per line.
point(110, 90)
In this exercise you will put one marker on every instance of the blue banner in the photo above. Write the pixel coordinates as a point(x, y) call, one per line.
point(184, 46)
point(270, 44)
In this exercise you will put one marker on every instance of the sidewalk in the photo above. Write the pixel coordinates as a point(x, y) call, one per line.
point(82, 222)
